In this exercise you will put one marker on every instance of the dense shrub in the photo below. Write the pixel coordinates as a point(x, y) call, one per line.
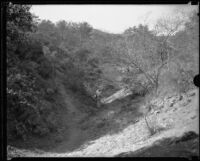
point(27, 73)
point(45, 69)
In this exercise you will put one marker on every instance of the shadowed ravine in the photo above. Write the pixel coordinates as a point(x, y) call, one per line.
point(76, 137)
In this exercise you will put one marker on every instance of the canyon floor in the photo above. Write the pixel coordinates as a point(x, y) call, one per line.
point(120, 130)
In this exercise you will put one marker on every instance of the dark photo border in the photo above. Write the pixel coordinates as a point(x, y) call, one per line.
point(3, 60)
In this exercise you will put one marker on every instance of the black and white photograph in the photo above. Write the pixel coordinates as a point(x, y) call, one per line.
point(102, 80)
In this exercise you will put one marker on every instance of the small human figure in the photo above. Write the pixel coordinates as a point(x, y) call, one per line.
point(98, 98)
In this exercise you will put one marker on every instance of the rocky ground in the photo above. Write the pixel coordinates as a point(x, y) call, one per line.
point(120, 130)
point(185, 146)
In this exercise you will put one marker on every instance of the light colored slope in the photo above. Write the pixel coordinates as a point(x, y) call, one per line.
point(118, 95)
point(182, 117)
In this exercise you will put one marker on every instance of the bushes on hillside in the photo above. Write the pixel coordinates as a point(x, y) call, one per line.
point(29, 75)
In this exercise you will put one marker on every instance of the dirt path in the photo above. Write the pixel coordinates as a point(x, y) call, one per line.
point(75, 134)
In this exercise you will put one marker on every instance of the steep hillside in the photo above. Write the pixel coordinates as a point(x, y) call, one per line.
point(70, 109)
point(73, 90)
point(174, 120)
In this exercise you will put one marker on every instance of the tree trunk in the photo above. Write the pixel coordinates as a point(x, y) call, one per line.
point(145, 117)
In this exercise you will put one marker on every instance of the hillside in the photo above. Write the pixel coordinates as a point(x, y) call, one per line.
point(179, 123)
point(74, 90)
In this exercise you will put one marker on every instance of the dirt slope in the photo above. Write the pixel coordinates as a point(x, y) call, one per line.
point(178, 115)
point(185, 146)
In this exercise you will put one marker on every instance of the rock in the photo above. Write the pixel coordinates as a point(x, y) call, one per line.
point(193, 117)
point(10, 147)
point(38, 151)
point(118, 95)
point(174, 109)
point(162, 106)
point(171, 104)
point(136, 120)
point(156, 112)
point(180, 98)
point(185, 103)
point(169, 97)
point(191, 93)
point(187, 136)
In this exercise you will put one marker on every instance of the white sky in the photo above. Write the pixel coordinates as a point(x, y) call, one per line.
point(110, 18)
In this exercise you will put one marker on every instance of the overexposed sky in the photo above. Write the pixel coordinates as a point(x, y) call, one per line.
point(110, 18)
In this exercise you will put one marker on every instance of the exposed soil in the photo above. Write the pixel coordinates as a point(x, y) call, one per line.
point(121, 129)
point(184, 146)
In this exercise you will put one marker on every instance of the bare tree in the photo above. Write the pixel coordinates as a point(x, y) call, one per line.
point(161, 50)
point(166, 27)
